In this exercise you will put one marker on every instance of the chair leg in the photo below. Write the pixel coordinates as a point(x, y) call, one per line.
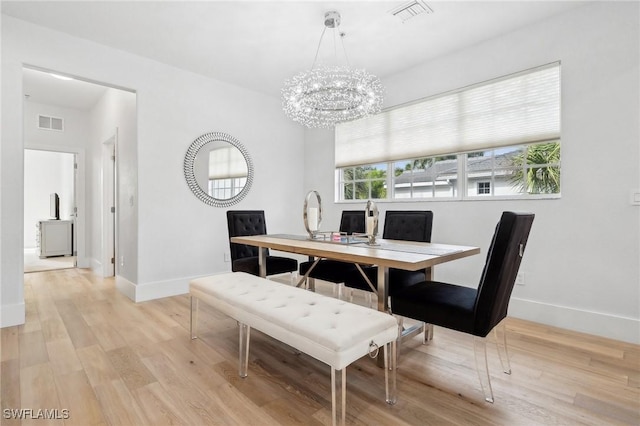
point(428, 333)
point(480, 349)
point(501, 343)
point(340, 290)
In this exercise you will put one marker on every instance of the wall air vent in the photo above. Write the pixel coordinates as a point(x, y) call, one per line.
point(411, 10)
point(46, 122)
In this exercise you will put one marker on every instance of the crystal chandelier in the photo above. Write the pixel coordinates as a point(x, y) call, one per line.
point(326, 95)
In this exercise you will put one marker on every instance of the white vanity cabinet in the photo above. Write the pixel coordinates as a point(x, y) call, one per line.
point(55, 238)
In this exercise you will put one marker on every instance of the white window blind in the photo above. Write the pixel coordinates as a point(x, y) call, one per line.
point(519, 108)
point(227, 162)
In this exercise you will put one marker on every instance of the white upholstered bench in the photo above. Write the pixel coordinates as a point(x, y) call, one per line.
point(331, 330)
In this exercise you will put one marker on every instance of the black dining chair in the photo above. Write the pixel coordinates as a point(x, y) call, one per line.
point(244, 258)
point(475, 311)
point(334, 271)
point(405, 225)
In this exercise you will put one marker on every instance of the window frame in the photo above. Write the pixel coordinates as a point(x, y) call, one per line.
point(461, 189)
point(484, 188)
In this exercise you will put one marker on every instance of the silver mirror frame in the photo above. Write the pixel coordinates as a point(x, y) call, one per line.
point(189, 173)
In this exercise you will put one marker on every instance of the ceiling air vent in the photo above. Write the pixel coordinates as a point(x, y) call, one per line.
point(50, 123)
point(411, 9)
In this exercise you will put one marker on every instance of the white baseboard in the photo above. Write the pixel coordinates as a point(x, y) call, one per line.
point(12, 315)
point(83, 262)
point(96, 266)
point(126, 287)
point(154, 290)
point(605, 325)
point(160, 289)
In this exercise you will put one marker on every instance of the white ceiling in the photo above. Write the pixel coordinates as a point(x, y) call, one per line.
point(45, 88)
point(258, 44)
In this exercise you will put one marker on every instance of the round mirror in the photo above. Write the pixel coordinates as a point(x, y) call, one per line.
point(218, 169)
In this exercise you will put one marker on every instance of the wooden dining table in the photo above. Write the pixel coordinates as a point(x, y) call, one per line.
point(385, 254)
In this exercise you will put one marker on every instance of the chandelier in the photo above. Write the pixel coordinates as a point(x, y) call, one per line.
point(326, 95)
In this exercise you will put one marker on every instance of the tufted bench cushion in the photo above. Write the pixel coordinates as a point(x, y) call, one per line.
point(331, 330)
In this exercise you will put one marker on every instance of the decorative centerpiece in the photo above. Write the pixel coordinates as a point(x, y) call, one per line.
point(371, 217)
point(312, 215)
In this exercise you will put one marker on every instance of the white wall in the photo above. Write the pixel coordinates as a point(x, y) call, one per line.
point(174, 236)
point(582, 262)
point(115, 115)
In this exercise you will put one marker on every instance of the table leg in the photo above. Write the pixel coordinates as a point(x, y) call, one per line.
point(311, 284)
point(427, 336)
point(383, 301)
point(383, 288)
point(262, 262)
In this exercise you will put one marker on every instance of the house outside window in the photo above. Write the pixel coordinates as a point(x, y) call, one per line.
point(435, 177)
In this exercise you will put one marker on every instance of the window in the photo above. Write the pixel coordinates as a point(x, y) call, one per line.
point(227, 172)
point(363, 182)
point(484, 188)
point(499, 138)
point(521, 171)
point(223, 189)
point(430, 177)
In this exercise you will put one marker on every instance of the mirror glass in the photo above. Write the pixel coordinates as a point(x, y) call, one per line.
point(218, 169)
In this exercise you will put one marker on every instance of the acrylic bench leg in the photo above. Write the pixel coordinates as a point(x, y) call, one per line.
point(245, 331)
point(390, 358)
point(193, 321)
point(338, 393)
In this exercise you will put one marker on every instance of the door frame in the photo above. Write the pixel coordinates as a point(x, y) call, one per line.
point(79, 230)
point(109, 208)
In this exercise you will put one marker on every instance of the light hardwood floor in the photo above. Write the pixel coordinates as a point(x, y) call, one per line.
point(88, 349)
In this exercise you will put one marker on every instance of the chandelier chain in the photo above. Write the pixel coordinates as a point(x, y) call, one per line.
point(344, 49)
point(315, 59)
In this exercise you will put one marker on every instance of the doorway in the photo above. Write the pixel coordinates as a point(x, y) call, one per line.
point(49, 210)
point(66, 113)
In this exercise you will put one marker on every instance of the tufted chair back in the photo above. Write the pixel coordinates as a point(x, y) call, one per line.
point(410, 225)
point(242, 223)
point(352, 221)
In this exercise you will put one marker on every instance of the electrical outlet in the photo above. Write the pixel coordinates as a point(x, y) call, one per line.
point(520, 278)
point(121, 260)
point(227, 257)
